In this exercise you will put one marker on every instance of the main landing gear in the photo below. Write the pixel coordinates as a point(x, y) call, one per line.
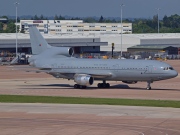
point(149, 85)
point(103, 85)
point(77, 86)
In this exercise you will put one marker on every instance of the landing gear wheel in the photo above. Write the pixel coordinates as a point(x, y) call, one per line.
point(76, 86)
point(99, 85)
point(103, 85)
point(82, 87)
point(107, 85)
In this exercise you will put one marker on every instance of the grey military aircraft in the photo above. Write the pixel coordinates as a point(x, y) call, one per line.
point(59, 62)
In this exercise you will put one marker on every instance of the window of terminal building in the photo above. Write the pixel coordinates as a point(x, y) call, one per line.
point(41, 30)
point(35, 25)
point(58, 25)
point(37, 21)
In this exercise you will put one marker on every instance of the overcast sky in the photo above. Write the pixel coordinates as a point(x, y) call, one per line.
point(85, 8)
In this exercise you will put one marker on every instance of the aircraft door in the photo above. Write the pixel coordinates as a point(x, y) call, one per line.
point(149, 69)
point(116, 67)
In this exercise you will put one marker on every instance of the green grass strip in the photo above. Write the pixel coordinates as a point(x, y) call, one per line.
point(95, 101)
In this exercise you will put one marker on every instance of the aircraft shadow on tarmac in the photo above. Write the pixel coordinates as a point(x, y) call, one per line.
point(49, 86)
point(153, 89)
point(56, 85)
point(167, 89)
point(67, 86)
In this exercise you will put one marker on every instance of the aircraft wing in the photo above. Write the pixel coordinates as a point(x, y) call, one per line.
point(100, 76)
point(94, 75)
point(30, 69)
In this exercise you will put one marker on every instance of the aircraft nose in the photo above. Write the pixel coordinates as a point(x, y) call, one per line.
point(174, 73)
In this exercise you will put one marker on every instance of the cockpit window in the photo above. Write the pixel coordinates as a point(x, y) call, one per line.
point(167, 68)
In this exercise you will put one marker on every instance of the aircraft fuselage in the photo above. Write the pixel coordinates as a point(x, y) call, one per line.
point(116, 69)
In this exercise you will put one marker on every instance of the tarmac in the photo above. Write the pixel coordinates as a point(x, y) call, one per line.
point(57, 119)
point(52, 119)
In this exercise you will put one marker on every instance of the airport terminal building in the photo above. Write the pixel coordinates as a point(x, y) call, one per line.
point(68, 27)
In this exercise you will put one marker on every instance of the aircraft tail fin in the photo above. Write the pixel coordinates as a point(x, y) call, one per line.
point(38, 43)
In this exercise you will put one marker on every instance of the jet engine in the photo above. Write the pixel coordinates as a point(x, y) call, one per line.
point(130, 82)
point(55, 51)
point(66, 51)
point(83, 79)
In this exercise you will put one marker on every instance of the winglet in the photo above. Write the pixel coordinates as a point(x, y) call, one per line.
point(38, 43)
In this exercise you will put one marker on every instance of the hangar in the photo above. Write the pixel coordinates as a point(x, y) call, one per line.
point(152, 40)
point(80, 44)
point(170, 49)
point(154, 50)
point(99, 42)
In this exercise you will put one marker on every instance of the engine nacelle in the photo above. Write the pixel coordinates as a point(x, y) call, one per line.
point(83, 79)
point(130, 82)
point(55, 51)
point(66, 51)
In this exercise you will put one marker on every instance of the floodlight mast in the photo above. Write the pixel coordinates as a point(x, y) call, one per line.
point(121, 27)
point(158, 17)
point(16, 3)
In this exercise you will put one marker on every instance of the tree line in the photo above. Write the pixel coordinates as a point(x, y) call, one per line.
point(7, 27)
point(169, 24)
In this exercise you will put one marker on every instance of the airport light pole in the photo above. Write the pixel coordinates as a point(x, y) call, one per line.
point(121, 27)
point(16, 3)
point(158, 17)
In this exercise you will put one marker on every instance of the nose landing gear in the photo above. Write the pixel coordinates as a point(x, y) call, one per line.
point(149, 85)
